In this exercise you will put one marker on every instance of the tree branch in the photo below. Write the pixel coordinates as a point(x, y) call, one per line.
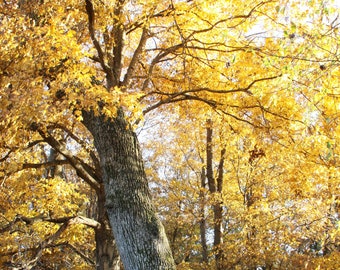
point(44, 164)
point(135, 56)
point(81, 254)
point(84, 172)
point(48, 242)
point(42, 217)
point(6, 155)
point(91, 20)
point(92, 154)
point(132, 27)
point(179, 98)
point(183, 95)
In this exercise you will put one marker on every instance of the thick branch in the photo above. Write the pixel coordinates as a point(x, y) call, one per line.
point(118, 38)
point(91, 20)
point(92, 154)
point(135, 57)
point(37, 166)
point(83, 171)
point(160, 57)
point(41, 217)
point(44, 164)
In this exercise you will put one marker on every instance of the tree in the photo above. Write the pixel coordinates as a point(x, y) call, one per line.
point(40, 219)
point(47, 210)
point(124, 59)
point(273, 207)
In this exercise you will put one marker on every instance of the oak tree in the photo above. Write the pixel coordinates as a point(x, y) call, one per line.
point(100, 66)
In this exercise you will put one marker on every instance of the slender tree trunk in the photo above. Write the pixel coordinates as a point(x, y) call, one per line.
point(139, 234)
point(209, 152)
point(215, 188)
point(203, 221)
point(218, 214)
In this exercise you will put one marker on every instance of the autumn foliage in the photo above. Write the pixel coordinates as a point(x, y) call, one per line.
point(236, 105)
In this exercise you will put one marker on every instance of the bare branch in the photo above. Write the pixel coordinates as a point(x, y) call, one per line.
point(243, 16)
point(178, 98)
point(240, 119)
point(158, 58)
point(184, 95)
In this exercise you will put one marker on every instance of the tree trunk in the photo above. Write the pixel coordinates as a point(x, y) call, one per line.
point(215, 188)
point(218, 214)
point(209, 152)
point(139, 234)
point(107, 257)
point(203, 222)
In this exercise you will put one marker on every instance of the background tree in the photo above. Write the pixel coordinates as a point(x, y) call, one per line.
point(273, 209)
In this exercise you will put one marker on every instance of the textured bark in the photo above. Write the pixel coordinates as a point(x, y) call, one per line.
point(107, 257)
point(139, 234)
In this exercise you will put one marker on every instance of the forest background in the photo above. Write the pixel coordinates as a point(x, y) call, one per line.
point(236, 106)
